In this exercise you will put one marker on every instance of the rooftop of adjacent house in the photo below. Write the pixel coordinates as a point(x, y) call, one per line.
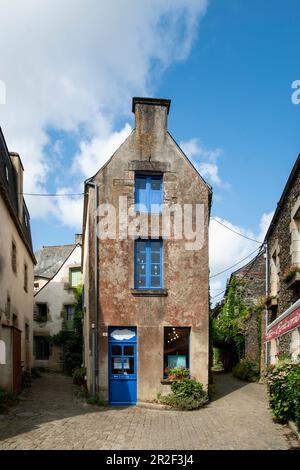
point(50, 259)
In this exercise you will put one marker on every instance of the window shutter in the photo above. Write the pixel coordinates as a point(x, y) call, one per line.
point(75, 277)
point(155, 186)
point(141, 194)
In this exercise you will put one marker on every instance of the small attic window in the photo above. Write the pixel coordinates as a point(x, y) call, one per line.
point(6, 173)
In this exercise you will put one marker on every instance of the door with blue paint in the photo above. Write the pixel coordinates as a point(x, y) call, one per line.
point(122, 366)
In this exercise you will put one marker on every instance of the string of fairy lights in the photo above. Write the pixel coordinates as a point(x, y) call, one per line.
point(173, 336)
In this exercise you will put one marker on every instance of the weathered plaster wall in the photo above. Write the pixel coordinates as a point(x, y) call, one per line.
point(151, 148)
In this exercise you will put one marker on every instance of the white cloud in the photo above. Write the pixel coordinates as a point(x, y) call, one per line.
point(69, 210)
point(205, 160)
point(227, 248)
point(94, 153)
point(73, 66)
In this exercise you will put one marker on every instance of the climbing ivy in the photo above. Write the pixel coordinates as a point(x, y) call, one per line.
point(229, 328)
point(71, 340)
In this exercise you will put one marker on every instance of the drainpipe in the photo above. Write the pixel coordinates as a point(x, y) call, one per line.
point(96, 291)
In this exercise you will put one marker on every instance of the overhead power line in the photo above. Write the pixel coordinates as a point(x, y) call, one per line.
point(234, 231)
point(235, 264)
point(244, 275)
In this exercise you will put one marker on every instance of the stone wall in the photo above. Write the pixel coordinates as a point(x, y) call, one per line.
point(281, 237)
point(281, 234)
point(253, 281)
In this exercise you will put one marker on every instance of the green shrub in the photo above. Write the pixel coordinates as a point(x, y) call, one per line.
point(95, 401)
point(81, 391)
point(187, 394)
point(246, 370)
point(26, 379)
point(78, 376)
point(283, 381)
point(6, 399)
point(35, 373)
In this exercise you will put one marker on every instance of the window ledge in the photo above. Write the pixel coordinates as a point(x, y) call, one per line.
point(149, 292)
point(166, 382)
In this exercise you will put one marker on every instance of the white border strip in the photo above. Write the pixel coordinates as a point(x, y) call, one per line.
point(284, 314)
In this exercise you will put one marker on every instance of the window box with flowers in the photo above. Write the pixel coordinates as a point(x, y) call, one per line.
point(292, 277)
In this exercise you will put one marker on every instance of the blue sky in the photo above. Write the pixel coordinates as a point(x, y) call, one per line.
point(227, 66)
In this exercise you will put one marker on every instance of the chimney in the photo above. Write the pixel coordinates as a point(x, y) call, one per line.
point(150, 114)
point(78, 238)
point(17, 163)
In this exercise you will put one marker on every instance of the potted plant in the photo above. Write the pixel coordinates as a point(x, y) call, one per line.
point(177, 373)
point(291, 276)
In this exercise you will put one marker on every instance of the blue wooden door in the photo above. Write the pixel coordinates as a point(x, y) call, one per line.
point(122, 366)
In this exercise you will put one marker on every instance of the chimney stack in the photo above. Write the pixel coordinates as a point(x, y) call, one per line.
point(78, 238)
point(150, 113)
point(17, 163)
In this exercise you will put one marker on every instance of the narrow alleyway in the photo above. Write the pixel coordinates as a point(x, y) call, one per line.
point(47, 418)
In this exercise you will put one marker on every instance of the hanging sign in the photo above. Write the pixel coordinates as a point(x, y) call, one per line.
point(288, 323)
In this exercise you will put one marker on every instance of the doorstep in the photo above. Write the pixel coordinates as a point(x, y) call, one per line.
point(153, 406)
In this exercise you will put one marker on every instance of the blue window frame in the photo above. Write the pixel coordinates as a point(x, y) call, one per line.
point(148, 193)
point(148, 264)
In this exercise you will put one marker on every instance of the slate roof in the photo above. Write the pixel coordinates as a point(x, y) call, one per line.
point(9, 192)
point(50, 259)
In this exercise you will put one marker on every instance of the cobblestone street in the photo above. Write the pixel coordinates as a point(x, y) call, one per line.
point(47, 418)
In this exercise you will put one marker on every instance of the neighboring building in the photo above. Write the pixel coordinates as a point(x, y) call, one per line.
point(57, 273)
point(145, 298)
point(16, 273)
point(252, 277)
point(251, 284)
point(283, 242)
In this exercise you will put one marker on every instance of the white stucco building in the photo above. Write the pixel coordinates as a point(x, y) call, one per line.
point(16, 273)
point(57, 273)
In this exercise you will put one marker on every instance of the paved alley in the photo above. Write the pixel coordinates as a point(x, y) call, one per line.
point(47, 418)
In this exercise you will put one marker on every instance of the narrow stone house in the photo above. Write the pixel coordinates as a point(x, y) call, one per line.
point(57, 273)
point(16, 273)
point(145, 286)
point(282, 335)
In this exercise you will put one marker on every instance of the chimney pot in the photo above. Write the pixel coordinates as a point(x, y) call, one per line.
point(78, 238)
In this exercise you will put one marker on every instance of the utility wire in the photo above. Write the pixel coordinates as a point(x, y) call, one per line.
point(238, 262)
point(245, 274)
point(234, 231)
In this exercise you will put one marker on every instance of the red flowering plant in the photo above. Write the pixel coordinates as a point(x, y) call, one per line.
point(177, 373)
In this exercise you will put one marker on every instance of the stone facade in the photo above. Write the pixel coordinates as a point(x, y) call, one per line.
point(253, 282)
point(183, 300)
point(283, 240)
point(16, 273)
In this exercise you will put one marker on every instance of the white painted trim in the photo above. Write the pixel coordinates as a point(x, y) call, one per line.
point(285, 314)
